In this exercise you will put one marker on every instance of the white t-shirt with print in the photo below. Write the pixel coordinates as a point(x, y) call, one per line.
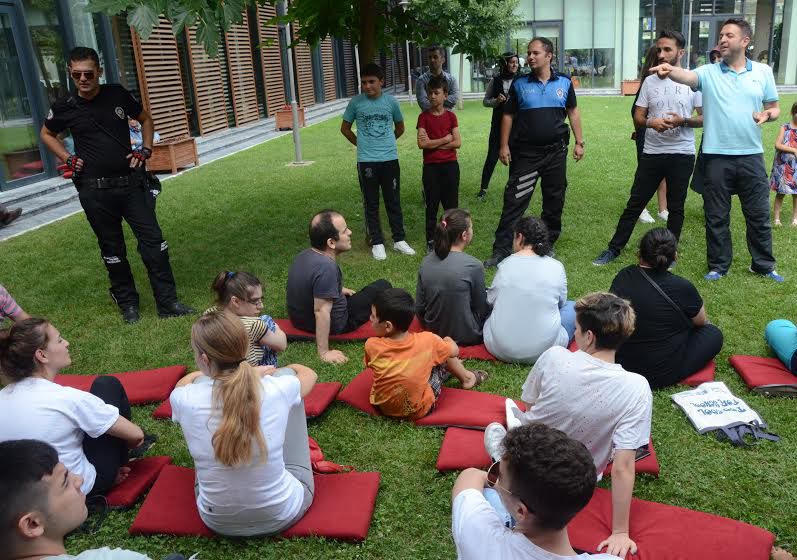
point(35, 408)
point(597, 403)
point(479, 534)
point(662, 97)
point(232, 500)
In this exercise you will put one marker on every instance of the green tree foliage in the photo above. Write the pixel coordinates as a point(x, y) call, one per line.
point(474, 25)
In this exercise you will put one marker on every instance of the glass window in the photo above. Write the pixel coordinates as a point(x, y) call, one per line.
point(19, 142)
point(548, 10)
point(46, 33)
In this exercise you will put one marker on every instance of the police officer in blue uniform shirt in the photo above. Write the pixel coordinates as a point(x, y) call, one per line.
point(534, 140)
point(111, 181)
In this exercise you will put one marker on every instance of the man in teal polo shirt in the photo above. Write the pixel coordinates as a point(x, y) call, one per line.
point(733, 93)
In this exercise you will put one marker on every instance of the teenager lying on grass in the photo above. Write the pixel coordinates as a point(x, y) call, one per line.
point(246, 431)
point(594, 400)
point(409, 368)
point(520, 508)
point(40, 503)
point(91, 431)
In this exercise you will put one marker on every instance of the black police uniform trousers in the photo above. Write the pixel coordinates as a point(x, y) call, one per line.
point(107, 453)
point(528, 165)
point(745, 176)
point(384, 175)
point(105, 208)
point(651, 169)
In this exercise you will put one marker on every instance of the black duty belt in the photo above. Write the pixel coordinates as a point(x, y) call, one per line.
point(104, 182)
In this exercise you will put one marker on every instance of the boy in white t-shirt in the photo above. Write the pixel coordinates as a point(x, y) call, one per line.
point(593, 400)
point(40, 503)
point(543, 479)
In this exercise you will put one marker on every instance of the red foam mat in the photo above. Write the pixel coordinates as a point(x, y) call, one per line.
point(477, 352)
point(462, 449)
point(455, 407)
point(343, 505)
point(315, 403)
point(664, 532)
point(765, 375)
point(146, 386)
point(702, 376)
point(143, 473)
point(361, 333)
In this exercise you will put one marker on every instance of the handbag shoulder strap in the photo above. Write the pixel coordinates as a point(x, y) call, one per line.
point(666, 297)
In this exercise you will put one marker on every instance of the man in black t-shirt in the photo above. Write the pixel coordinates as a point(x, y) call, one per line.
point(111, 180)
point(535, 131)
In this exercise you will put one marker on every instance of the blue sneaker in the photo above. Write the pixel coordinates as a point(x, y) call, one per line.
point(713, 275)
point(772, 274)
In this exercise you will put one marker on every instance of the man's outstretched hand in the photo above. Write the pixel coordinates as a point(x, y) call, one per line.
point(662, 70)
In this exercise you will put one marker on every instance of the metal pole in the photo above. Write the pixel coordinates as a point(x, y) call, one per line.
point(689, 38)
point(357, 64)
point(297, 139)
point(409, 73)
point(460, 101)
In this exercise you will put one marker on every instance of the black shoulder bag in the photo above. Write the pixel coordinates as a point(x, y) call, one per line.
point(151, 182)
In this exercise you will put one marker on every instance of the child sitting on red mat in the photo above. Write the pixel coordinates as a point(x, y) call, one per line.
point(409, 368)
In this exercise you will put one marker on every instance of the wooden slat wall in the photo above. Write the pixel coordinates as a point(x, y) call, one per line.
point(350, 69)
point(158, 66)
point(328, 69)
point(211, 105)
point(273, 80)
point(303, 59)
point(242, 73)
point(401, 62)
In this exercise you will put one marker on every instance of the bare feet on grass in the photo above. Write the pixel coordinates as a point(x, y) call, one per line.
point(122, 475)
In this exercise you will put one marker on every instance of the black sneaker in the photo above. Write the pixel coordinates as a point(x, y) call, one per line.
point(606, 257)
point(130, 314)
point(175, 309)
point(493, 261)
point(8, 216)
point(482, 194)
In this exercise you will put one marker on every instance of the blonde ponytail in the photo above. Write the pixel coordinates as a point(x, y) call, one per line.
point(237, 392)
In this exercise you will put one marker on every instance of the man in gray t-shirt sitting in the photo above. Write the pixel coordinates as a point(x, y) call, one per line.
point(315, 296)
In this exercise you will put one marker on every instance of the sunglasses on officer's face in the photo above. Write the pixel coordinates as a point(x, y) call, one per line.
point(76, 75)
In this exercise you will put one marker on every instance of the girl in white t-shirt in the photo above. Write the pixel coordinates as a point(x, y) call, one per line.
point(247, 432)
point(90, 430)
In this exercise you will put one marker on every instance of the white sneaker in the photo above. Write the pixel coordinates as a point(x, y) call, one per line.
point(494, 440)
point(513, 415)
point(403, 248)
point(664, 214)
point(646, 218)
point(378, 251)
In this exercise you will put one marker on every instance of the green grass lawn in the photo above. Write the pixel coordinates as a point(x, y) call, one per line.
point(249, 211)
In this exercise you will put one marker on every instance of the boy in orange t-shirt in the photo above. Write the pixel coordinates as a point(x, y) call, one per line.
point(409, 368)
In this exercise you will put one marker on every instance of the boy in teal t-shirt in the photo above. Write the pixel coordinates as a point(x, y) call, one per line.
point(379, 124)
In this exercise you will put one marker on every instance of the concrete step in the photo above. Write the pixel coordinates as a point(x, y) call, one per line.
point(47, 201)
point(28, 222)
point(15, 197)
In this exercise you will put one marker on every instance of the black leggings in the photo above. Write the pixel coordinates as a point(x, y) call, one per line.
point(704, 343)
point(107, 453)
point(359, 305)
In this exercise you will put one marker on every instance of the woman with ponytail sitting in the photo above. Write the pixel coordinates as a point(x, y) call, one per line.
point(531, 312)
point(91, 431)
point(673, 338)
point(451, 299)
point(246, 431)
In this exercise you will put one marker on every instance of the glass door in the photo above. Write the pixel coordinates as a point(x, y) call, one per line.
point(21, 160)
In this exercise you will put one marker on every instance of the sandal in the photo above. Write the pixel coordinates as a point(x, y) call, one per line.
point(481, 377)
point(138, 452)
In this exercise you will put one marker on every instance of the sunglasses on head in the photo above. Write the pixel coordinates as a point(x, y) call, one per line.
point(89, 74)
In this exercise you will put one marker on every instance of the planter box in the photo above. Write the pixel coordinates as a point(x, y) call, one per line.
point(284, 119)
point(630, 87)
point(170, 155)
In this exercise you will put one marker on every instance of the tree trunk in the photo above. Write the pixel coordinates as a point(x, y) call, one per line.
point(366, 46)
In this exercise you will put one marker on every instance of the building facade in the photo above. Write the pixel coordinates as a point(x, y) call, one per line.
point(600, 43)
point(603, 42)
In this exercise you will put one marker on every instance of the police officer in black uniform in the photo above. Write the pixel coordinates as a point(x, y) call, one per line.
point(534, 141)
point(495, 96)
point(111, 180)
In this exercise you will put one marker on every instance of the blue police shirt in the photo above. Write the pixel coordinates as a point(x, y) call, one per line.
point(729, 101)
point(540, 109)
point(376, 140)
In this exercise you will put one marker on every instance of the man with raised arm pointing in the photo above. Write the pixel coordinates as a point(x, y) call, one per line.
point(733, 93)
